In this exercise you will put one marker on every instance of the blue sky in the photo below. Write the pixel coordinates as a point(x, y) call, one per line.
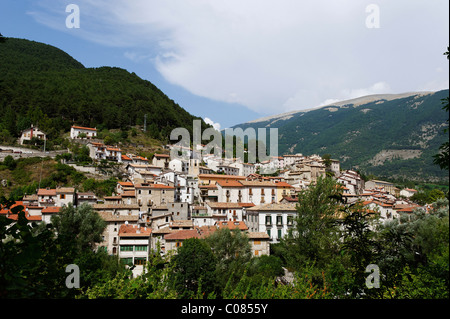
point(235, 61)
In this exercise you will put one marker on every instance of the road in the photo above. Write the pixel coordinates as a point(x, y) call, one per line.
point(19, 152)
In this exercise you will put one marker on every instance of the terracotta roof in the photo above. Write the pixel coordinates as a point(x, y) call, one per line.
point(229, 183)
point(51, 210)
point(128, 194)
point(219, 176)
point(141, 158)
point(258, 184)
point(65, 190)
point(161, 186)
point(12, 216)
point(186, 234)
point(125, 183)
point(161, 155)
point(46, 192)
point(134, 231)
point(107, 216)
point(223, 205)
point(274, 207)
point(208, 186)
point(84, 128)
point(126, 158)
point(115, 206)
point(283, 184)
point(5, 211)
point(258, 235)
point(290, 199)
point(232, 225)
point(246, 204)
point(181, 223)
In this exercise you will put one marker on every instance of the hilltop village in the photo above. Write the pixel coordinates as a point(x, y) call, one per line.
point(160, 202)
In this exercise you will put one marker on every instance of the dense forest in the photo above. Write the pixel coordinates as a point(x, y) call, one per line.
point(44, 86)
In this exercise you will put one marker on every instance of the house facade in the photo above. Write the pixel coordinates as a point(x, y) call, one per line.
point(273, 219)
point(33, 132)
point(77, 132)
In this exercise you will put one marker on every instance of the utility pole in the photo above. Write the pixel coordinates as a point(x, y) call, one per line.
point(145, 122)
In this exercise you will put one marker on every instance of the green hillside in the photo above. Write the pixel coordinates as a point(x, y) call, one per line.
point(387, 137)
point(40, 84)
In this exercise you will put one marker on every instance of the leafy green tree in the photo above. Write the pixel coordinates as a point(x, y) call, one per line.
point(232, 252)
point(268, 266)
point(314, 237)
point(31, 265)
point(9, 162)
point(193, 269)
point(79, 228)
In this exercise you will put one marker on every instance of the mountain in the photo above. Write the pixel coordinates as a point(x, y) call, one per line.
point(390, 135)
point(42, 85)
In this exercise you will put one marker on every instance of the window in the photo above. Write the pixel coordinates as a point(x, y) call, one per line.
point(257, 242)
point(126, 248)
point(140, 248)
point(268, 220)
point(290, 220)
point(279, 220)
point(62, 196)
point(140, 260)
point(279, 234)
point(127, 261)
point(178, 244)
point(268, 232)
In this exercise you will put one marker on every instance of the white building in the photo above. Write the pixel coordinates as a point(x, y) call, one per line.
point(99, 151)
point(85, 132)
point(32, 132)
point(408, 192)
point(134, 245)
point(273, 219)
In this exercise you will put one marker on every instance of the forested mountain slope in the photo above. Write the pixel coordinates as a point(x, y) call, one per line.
point(391, 136)
point(42, 85)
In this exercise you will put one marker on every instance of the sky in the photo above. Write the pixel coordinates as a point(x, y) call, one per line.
point(232, 61)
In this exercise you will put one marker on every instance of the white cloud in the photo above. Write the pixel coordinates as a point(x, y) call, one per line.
point(211, 122)
point(274, 56)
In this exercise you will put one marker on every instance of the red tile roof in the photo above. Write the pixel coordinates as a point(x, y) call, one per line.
point(229, 183)
point(46, 192)
point(283, 184)
point(232, 225)
point(128, 230)
point(84, 128)
point(10, 215)
point(51, 210)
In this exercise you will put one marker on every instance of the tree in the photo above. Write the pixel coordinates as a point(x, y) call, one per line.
point(193, 269)
point(314, 236)
point(232, 252)
point(9, 162)
point(31, 265)
point(79, 228)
